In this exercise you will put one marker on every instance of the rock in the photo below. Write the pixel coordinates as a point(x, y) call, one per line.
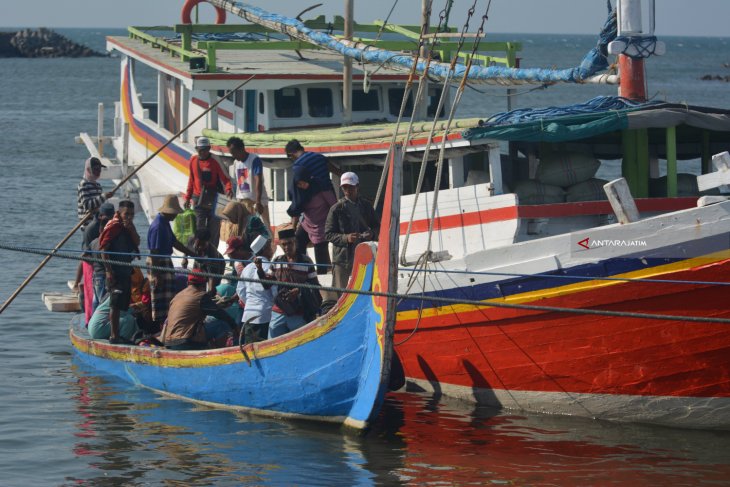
point(43, 43)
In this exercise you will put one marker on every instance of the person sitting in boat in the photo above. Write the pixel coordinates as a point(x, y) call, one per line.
point(207, 257)
point(119, 242)
point(311, 199)
point(293, 307)
point(161, 241)
point(259, 297)
point(186, 328)
point(130, 320)
point(203, 185)
point(247, 171)
point(238, 252)
point(90, 194)
point(238, 221)
point(92, 273)
point(350, 221)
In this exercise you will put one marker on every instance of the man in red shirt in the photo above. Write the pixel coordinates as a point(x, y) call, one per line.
point(205, 178)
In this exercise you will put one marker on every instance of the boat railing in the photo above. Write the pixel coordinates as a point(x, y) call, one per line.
point(202, 54)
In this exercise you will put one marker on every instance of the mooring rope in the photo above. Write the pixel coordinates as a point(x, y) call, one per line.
point(395, 295)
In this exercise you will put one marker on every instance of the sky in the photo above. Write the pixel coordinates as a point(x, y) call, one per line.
point(674, 17)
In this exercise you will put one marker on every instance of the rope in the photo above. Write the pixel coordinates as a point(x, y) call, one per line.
point(415, 269)
point(427, 150)
point(395, 295)
point(406, 92)
point(457, 100)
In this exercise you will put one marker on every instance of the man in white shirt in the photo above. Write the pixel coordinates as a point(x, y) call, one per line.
point(258, 297)
point(247, 173)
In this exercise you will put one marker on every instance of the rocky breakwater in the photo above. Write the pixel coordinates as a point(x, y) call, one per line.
point(42, 42)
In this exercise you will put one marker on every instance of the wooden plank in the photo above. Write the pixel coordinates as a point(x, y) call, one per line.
point(718, 178)
point(623, 204)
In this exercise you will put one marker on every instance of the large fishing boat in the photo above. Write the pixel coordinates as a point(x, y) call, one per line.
point(527, 286)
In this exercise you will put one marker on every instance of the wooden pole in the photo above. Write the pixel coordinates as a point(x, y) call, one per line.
point(347, 68)
point(121, 183)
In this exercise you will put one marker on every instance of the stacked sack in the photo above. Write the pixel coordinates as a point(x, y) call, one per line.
point(562, 177)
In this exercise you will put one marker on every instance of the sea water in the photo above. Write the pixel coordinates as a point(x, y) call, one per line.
point(62, 424)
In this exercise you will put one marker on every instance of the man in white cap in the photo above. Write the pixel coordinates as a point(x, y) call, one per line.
point(160, 241)
point(350, 221)
point(258, 297)
point(205, 177)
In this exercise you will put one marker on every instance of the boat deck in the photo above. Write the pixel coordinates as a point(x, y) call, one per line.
point(241, 64)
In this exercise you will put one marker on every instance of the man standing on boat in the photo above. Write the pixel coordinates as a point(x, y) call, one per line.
point(350, 221)
point(318, 165)
point(248, 173)
point(161, 241)
point(119, 241)
point(205, 178)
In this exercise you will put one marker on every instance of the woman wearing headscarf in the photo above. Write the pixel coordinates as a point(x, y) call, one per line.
point(90, 195)
point(311, 200)
point(239, 222)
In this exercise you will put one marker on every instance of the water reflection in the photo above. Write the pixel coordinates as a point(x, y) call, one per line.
point(127, 435)
point(451, 442)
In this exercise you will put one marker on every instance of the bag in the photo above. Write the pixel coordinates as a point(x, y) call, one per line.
point(286, 303)
point(184, 225)
point(206, 200)
point(311, 301)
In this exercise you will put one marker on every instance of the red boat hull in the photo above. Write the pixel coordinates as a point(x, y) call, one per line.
point(661, 371)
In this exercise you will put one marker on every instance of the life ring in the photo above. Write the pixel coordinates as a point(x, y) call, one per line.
point(188, 9)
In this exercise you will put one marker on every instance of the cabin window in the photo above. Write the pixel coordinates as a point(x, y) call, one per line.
point(366, 102)
point(261, 103)
point(288, 103)
point(434, 95)
point(395, 98)
point(222, 93)
point(239, 98)
point(320, 102)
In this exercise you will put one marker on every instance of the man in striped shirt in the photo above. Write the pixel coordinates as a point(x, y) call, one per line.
point(318, 165)
point(90, 194)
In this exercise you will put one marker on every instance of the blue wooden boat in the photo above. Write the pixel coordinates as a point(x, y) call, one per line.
point(333, 369)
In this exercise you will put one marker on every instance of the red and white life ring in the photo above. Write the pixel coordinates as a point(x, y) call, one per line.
point(188, 9)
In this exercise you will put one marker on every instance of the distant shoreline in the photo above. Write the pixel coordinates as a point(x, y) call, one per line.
point(41, 43)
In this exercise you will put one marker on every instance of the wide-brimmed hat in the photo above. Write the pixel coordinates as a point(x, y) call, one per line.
point(170, 206)
point(258, 244)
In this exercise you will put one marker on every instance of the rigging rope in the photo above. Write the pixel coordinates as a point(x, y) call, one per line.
point(395, 295)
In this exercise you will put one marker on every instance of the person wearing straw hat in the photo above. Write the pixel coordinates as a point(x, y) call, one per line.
point(161, 241)
point(258, 297)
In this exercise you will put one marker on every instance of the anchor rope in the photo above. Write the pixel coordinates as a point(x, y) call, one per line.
point(395, 295)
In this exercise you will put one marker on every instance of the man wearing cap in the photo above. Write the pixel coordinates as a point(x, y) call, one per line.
point(90, 195)
point(186, 328)
point(350, 221)
point(238, 251)
point(205, 176)
point(248, 173)
point(161, 241)
point(258, 297)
